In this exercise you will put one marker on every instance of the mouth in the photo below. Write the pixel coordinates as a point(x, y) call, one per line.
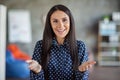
point(60, 31)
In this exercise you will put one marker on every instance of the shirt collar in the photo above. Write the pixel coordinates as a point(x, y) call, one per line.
point(55, 43)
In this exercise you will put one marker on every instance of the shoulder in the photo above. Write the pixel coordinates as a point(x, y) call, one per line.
point(80, 43)
point(82, 51)
point(81, 46)
point(38, 44)
point(37, 51)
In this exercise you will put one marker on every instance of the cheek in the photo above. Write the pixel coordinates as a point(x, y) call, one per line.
point(68, 26)
point(52, 26)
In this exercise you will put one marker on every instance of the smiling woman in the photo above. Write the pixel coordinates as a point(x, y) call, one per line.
point(59, 56)
point(60, 24)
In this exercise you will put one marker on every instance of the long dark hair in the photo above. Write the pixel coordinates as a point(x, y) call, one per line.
point(48, 36)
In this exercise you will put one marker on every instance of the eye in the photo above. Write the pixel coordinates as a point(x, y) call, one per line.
point(55, 21)
point(64, 20)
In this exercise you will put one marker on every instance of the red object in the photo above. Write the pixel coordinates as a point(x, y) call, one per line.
point(17, 53)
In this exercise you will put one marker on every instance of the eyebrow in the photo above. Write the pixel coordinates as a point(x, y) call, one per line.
point(62, 18)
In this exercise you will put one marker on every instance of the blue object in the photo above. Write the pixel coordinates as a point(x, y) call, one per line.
point(16, 68)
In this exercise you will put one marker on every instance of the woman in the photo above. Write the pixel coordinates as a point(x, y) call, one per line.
point(59, 56)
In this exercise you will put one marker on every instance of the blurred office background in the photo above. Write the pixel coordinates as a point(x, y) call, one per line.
point(89, 15)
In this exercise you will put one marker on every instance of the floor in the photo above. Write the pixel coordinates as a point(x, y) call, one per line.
point(17, 79)
point(105, 73)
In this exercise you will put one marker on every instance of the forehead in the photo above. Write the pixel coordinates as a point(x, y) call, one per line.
point(59, 14)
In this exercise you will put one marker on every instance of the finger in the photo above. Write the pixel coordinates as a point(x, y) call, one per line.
point(33, 67)
point(87, 67)
point(32, 64)
point(92, 62)
point(80, 68)
point(84, 69)
point(36, 68)
point(29, 61)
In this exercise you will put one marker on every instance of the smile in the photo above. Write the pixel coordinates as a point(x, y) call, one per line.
point(60, 31)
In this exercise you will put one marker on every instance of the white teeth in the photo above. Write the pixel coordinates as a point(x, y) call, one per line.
point(60, 30)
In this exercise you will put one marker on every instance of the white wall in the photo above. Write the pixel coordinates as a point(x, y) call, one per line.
point(2, 41)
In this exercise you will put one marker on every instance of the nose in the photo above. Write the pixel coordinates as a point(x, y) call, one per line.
point(61, 24)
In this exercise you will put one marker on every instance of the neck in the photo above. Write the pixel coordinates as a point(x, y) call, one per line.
point(60, 40)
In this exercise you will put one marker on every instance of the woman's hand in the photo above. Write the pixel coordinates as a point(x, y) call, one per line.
point(34, 66)
point(86, 65)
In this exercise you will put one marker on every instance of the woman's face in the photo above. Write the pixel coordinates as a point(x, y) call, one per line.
point(60, 23)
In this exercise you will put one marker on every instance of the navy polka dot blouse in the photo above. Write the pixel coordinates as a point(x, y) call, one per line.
point(60, 63)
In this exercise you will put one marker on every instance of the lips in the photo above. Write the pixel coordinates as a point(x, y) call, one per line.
point(60, 31)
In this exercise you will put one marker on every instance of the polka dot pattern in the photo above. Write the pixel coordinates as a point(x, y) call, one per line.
point(60, 63)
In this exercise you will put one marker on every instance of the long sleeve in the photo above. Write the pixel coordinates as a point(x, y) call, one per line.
point(83, 57)
point(36, 56)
